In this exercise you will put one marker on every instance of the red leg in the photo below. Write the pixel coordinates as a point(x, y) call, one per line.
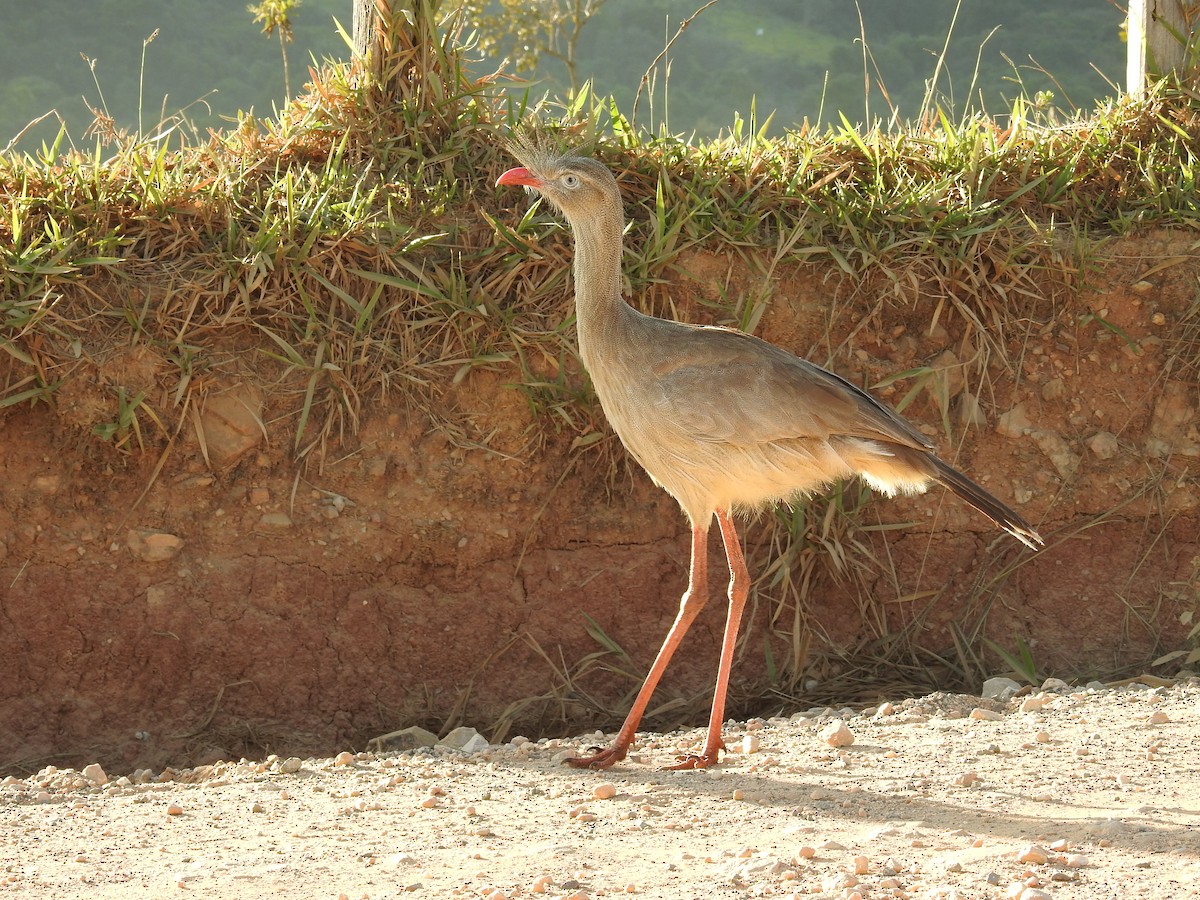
point(692, 602)
point(739, 590)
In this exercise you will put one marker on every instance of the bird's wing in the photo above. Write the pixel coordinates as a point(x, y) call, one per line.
point(721, 385)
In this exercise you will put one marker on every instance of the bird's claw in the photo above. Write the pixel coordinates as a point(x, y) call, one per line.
point(602, 759)
point(694, 761)
point(710, 757)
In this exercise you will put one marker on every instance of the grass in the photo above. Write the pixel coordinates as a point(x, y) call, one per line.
point(354, 252)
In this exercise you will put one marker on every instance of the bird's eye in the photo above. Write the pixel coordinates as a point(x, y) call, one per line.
point(570, 181)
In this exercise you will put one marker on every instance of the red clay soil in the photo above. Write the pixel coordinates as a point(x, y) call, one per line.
point(417, 575)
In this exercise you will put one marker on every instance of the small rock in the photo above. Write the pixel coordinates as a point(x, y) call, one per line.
point(345, 758)
point(970, 410)
point(1033, 855)
point(1036, 702)
point(232, 424)
point(174, 809)
point(1054, 389)
point(1103, 444)
point(999, 688)
point(1055, 686)
point(1014, 423)
point(466, 739)
point(290, 766)
point(751, 743)
point(275, 520)
point(95, 774)
point(966, 779)
point(404, 739)
point(1158, 717)
point(861, 864)
point(1056, 447)
point(153, 546)
point(1076, 861)
point(604, 791)
point(838, 881)
point(986, 715)
point(836, 734)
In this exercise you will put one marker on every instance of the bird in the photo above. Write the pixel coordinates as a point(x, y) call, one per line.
point(723, 421)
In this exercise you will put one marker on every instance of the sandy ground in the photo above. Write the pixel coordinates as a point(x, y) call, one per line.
point(1080, 793)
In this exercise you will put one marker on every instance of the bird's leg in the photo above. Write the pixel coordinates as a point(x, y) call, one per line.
point(739, 590)
point(690, 604)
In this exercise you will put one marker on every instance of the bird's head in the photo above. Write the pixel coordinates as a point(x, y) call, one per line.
point(579, 186)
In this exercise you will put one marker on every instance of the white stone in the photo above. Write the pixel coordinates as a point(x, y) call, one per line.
point(985, 715)
point(466, 739)
point(95, 774)
point(837, 734)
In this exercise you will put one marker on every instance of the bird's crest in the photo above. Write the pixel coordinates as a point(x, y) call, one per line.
point(535, 146)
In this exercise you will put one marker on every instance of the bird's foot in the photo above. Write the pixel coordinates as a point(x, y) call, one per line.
point(710, 757)
point(601, 759)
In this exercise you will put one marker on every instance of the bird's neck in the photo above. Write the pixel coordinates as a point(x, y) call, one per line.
point(600, 310)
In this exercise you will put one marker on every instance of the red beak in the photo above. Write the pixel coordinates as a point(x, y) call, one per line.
point(519, 175)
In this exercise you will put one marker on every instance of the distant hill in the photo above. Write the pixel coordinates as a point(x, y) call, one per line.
point(799, 58)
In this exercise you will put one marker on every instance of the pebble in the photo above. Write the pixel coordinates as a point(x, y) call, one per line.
point(838, 881)
point(1158, 717)
point(1033, 855)
point(95, 774)
point(999, 688)
point(861, 864)
point(466, 739)
point(986, 715)
point(345, 758)
point(290, 766)
point(604, 791)
point(1036, 702)
point(837, 734)
point(174, 809)
point(751, 743)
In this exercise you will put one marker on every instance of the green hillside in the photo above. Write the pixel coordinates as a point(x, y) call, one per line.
point(800, 58)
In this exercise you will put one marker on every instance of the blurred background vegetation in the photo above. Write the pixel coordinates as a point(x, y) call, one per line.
point(801, 59)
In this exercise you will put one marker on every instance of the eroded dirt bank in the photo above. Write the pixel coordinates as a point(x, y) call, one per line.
point(437, 570)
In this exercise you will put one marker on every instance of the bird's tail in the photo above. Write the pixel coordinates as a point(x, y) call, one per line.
point(972, 493)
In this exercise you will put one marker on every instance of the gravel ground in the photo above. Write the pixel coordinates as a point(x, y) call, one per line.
point(1068, 792)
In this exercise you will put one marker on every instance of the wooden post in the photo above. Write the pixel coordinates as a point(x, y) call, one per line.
point(371, 19)
point(1159, 36)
